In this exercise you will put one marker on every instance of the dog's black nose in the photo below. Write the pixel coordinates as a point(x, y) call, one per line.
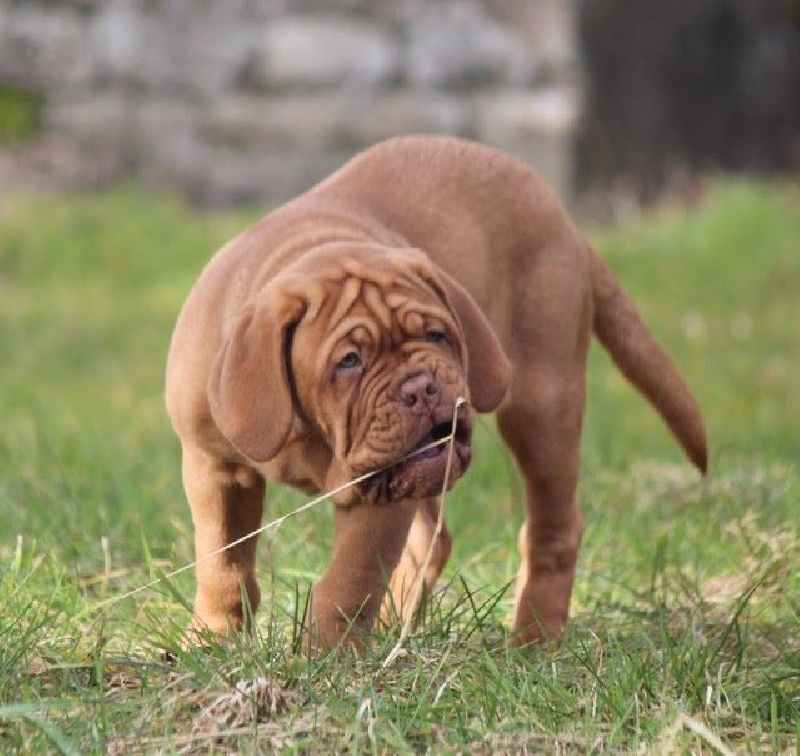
point(420, 392)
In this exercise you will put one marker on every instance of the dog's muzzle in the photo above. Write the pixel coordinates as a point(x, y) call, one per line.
point(421, 471)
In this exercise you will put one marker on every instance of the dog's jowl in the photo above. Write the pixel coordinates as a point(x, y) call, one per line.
point(334, 338)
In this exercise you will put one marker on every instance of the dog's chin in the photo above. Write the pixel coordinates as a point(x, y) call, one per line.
point(423, 472)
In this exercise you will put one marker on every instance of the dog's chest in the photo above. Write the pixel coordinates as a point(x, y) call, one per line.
point(301, 464)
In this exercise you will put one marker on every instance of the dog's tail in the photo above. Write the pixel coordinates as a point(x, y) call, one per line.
point(620, 329)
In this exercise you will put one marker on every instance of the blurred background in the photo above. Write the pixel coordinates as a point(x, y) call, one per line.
point(252, 101)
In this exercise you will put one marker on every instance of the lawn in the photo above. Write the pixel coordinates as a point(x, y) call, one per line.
point(686, 627)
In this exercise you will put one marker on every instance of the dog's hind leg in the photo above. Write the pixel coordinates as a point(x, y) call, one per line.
point(227, 503)
point(541, 423)
point(399, 603)
point(545, 440)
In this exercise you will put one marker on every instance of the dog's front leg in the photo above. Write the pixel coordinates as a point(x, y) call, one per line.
point(399, 603)
point(368, 542)
point(227, 503)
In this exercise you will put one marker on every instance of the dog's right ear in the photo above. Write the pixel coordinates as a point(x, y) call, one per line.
point(249, 389)
point(489, 369)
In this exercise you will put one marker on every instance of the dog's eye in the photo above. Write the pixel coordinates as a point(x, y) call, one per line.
point(350, 361)
point(435, 336)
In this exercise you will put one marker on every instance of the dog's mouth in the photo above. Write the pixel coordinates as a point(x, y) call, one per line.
point(422, 470)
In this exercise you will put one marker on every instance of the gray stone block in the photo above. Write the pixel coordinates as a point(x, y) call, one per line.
point(318, 51)
point(275, 122)
point(219, 177)
point(144, 47)
point(410, 111)
point(107, 117)
point(43, 47)
point(457, 44)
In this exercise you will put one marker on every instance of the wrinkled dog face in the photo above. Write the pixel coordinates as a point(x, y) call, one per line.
point(379, 364)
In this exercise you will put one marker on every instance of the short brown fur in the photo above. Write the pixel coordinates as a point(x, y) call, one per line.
point(335, 336)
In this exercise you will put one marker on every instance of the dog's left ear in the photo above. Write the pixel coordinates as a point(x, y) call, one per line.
point(488, 368)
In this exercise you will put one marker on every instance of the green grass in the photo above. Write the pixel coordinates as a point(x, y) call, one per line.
point(685, 628)
point(19, 114)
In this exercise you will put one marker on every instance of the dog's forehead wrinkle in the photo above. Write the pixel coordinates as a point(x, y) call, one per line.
point(343, 300)
point(352, 329)
point(379, 275)
point(388, 318)
point(374, 301)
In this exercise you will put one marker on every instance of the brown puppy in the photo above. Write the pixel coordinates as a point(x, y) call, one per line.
point(335, 336)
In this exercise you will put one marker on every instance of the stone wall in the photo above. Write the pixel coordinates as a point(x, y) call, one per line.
point(254, 100)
